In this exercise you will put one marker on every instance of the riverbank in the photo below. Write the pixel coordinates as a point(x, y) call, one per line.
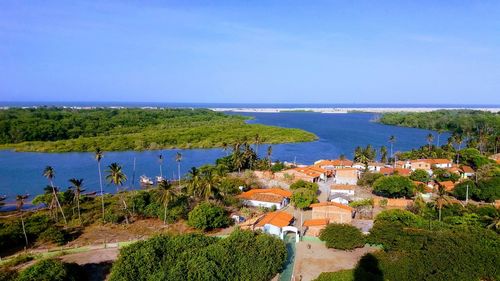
point(346, 109)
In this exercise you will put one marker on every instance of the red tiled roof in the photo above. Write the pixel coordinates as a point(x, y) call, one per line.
point(335, 162)
point(448, 185)
point(316, 222)
point(333, 204)
point(390, 171)
point(467, 169)
point(266, 195)
point(279, 219)
point(436, 161)
point(342, 187)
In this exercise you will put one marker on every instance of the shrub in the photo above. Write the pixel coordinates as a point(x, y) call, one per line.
point(51, 270)
point(420, 175)
point(244, 255)
point(303, 198)
point(208, 216)
point(54, 235)
point(368, 178)
point(304, 184)
point(394, 186)
point(460, 190)
point(342, 237)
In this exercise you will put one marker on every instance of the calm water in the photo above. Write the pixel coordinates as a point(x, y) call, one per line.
point(338, 134)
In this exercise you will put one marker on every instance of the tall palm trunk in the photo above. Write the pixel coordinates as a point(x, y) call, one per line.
point(78, 207)
point(179, 172)
point(24, 229)
point(57, 202)
point(102, 194)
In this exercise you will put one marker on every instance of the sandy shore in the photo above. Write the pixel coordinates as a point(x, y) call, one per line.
point(347, 110)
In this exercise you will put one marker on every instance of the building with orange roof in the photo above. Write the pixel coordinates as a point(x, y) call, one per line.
point(439, 162)
point(308, 173)
point(277, 223)
point(313, 227)
point(346, 176)
point(392, 203)
point(342, 188)
point(467, 171)
point(333, 164)
point(267, 197)
point(447, 185)
point(333, 211)
point(375, 166)
point(386, 171)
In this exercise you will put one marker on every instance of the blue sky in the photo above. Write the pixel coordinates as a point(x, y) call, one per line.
point(251, 51)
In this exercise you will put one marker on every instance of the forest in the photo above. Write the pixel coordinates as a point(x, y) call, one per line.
point(63, 130)
point(479, 129)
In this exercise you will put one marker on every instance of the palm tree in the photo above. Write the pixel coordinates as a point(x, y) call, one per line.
point(193, 181)
point(77, 186)
point(50, 174)
point(167, 195)
point(160, 160)
point(430, 138)
point(392, 140)
point(269, 153)
point(117, 177)
point(19, 206)
point(383, 154)
point(257, 142)
point(208, 184)
point(178, 159)
point(441, 199)
point(98, 156)
point(225, 148)
point(458, 139)
point(439, 131)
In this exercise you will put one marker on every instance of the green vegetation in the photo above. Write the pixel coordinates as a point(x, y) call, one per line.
point(394, 186)
point(342, 275)
point(303, 197)
point(368, 178)
point(420, 175)
point(207, 216)
point(51, 270)
point(479, 129)
point(62, 130)
point(342, 236)
point(304, 184)
point(244, 255)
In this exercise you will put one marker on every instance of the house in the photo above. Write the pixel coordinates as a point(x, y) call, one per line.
point(267, 198)
point(447, 185)
point(386, 171)
point(439, 163)
point(307, 173)
point(419, 164)
point(392, 203)
point(342, 188)
point(334, 164)
point(375, 166)
point(467, 171)
point(346, 176)
point(359, 166)
point(314, 226)
point(495, 157)
point(334, 212)
point(341, 198)
point(277, 223)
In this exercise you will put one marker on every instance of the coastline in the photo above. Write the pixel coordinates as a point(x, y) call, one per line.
point(345, 110)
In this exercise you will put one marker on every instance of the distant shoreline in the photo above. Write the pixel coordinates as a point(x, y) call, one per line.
point(347, 110)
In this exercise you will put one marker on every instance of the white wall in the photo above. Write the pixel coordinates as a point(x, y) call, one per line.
point(255, 203)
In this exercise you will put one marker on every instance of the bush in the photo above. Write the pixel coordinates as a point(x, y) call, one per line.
point(394, 186)
point(342, 236)
point(368, 178)
point(52, 270)
point(420, 175)
point(208, 216)
point(302, 198)
point(304, 184)
point(244, 255)
point(489, 190)
point(460, 190)
point(54, 235)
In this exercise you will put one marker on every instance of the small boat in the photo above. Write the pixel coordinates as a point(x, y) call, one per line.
point(145, 180)
point(159, 179)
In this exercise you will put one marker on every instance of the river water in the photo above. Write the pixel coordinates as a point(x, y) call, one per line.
point(21, 172)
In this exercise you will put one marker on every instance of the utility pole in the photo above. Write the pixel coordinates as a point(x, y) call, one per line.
point(467, 195)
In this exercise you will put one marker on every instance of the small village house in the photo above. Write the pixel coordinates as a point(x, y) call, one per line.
point(334, 164)
point(277, 223)
point(386, 171)
point(346, 176)
point(334, 212)
point(342, 188)
point(268, 198)
point(313, 227)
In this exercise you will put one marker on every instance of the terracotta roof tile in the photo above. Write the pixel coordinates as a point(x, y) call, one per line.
point(272, 194)
point(316, 222)
point(333, 204)
point(279, 219)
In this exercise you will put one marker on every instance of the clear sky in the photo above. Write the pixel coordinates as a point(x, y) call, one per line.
point(251, 51)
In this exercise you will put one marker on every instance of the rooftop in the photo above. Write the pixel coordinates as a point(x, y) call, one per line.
point(331, 204)
point(279, 219)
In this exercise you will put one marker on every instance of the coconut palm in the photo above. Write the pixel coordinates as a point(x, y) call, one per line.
point(208, 184)
point(392, 140)
point(225, 148)
point(269, 153)
point(439, 132)
point(19, 206)
point(441, 199)
point(98, 156)
point(167, 195)
point(430, 138)
point(383, 154)
point(50, 174)
point(193, 181)
point(117, 177)
point(257, 140)
point(458, 139)
point(77, 187)
point(178, 159)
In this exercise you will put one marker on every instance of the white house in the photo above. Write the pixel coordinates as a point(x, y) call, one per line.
point(346, 176)
point(346, 189)
point(277, 223)
point(268, 198)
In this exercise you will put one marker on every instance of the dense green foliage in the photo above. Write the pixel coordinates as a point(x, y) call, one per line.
point(394, 186)
point(304, 184)
point(481, 128)
point(51, 270)
point(342, 236)
point(418, 249)
point(368, 178)
point(303, 197)
point(208, 216)
point(61, 130)
point(244, 255)
point(342, 275)
point(420, 175)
